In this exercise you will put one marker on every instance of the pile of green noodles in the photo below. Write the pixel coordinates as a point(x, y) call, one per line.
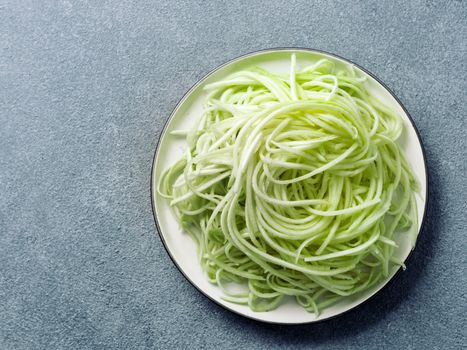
point(293, 185)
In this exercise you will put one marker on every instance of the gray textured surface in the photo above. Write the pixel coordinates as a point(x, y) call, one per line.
point(85, 90)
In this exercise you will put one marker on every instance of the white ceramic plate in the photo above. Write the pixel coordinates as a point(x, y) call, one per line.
point(182, 248)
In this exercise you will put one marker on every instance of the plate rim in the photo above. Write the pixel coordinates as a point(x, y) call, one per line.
point(188, 93)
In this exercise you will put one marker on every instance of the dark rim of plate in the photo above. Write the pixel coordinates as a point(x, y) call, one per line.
point(272, 50)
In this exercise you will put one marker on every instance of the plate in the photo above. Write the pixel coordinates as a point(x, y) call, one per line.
point(182, 249)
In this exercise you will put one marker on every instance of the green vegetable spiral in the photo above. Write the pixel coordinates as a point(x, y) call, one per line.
point(294, 185)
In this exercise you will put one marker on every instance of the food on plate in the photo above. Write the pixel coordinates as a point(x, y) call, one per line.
point(293, 185)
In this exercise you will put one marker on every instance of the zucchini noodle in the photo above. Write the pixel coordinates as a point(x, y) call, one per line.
point(293, 185)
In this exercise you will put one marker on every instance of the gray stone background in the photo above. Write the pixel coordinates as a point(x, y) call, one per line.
point(86, 87)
